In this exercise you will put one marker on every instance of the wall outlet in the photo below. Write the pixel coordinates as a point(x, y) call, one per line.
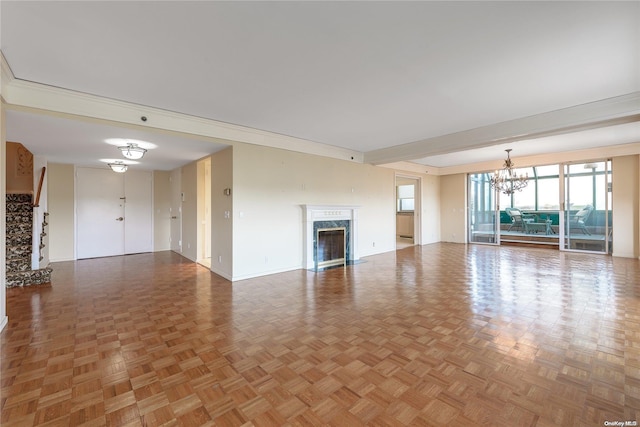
point(220, 259)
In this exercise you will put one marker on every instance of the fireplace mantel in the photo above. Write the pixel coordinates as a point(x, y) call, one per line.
point(314, 213)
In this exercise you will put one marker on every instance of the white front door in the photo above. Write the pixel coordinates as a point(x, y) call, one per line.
point(100, 213)
point(138, 233)
point(114, 212)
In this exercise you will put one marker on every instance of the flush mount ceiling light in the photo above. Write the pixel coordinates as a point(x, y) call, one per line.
point(118, 166)
point(132, 151)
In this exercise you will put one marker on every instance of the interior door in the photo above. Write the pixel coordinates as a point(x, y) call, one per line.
point(483, 214)
point(100, 213)
point(138, 232)
point(176, 210)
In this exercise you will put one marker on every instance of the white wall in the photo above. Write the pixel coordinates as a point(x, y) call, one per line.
point(269, 187)
point(161, 211)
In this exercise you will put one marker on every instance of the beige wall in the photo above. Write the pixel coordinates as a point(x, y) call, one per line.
point(626, 190)
point(431, 211)
point(161, 211)
point(453, 208)
point(221, 226)
point(61, 203)
point(3, 222)
point(269, 187)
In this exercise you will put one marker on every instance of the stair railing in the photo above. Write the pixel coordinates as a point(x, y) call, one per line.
point(37, 202)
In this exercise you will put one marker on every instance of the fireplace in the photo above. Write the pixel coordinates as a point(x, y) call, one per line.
point(331, 247)
point(330, 236)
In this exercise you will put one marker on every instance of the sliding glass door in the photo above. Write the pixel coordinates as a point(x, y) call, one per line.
point(587, 207)
point(483, 210)
point(566, 206)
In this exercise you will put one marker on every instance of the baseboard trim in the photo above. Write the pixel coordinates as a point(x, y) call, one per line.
point(221, 274)
point(4, 322)
point(264, 273)
point(60, 260)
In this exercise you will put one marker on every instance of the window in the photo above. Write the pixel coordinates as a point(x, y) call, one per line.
point(548, 194)
point(406, 198)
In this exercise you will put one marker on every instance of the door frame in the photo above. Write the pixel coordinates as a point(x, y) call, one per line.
point(417, 207)
point(496, 213)
point(145, 219)
point(566, 187)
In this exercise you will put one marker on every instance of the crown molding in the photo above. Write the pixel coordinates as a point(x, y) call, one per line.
point(606, 112)
point(47, 99)
point(6, 75)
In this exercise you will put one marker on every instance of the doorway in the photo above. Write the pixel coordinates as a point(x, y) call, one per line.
point(587, 207)
point(408, 210)
point(483, 218)
point(114, 212)
point(204, 212)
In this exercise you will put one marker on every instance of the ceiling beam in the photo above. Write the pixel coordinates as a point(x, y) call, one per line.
point(606, 112)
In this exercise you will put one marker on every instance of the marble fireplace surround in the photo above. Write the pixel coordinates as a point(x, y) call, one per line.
point(326, 213)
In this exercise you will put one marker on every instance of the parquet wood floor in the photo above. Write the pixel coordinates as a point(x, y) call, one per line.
point(442, 334)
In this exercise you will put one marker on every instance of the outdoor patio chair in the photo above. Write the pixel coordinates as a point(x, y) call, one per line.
point(577, 222)
point(519, 219)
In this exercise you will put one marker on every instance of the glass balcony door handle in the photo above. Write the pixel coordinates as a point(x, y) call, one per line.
point(120, 219)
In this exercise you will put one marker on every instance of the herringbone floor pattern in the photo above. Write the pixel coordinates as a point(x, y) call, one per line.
point(442, 334)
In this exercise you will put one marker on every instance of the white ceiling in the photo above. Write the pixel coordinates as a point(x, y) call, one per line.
point(359, 75)
point(86, 143)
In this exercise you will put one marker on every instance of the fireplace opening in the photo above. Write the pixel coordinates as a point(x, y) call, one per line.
point(331, 247)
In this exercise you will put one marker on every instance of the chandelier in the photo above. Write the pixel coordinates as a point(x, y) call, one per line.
point(506, 181)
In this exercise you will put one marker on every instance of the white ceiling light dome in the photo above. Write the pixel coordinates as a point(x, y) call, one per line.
point(118, 167)
point(132, 151)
